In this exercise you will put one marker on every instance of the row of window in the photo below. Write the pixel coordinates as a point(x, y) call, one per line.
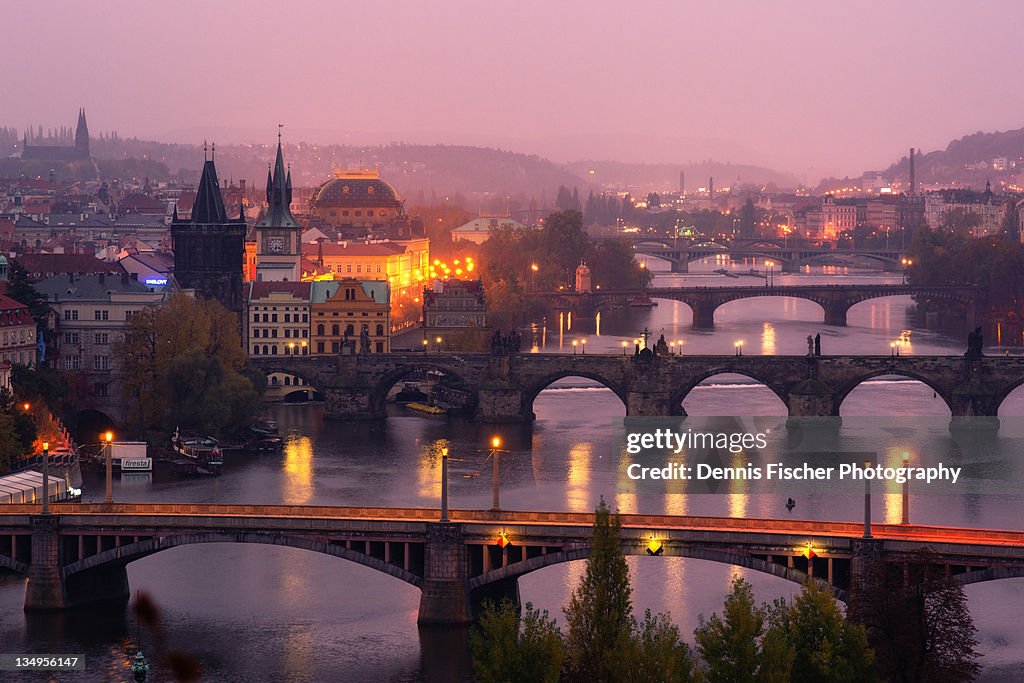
point(337, 268)
point(274, 308)
point(271, 350)
point(272, 318)
point(349, 314)
point(75, 362)
point(21, 357)
point(97, 338)
point(349, 330)
point(271, 333)
point(98, 314)
point(358, 212)
point(17, 336)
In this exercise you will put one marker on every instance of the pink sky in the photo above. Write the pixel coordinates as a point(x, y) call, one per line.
point(844, 86)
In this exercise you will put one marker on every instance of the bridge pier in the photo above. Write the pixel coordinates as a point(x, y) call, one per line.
point(835, 313)
point(350, 403)
point(704, 315)
point(680, 265)
point(445, 596)
point(501, 405)
point(973, 408)
point(650, 404)
point(811, 398)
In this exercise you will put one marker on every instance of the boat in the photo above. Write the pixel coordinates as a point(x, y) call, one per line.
point(204, 451)
point(410, 393)
point(424, 408)
point(723, 271)
point(264, 426)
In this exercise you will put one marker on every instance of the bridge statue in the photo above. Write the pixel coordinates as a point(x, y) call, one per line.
point(661, 347)
point(505, 344)
point(975, 341)
point(364, 339)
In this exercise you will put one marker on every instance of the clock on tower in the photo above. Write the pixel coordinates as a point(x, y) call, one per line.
point(277, 232)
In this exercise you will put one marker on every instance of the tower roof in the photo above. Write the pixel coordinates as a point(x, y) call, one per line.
point(209, 204)
point(279, 195)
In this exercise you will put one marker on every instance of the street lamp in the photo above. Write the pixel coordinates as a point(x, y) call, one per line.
point(438, 340)
point(26, 406)
point(46, 477)
point(583, 343)
point(426, 346)
point(643, 277)
point(109, 437)
point(906, 490)
point(739, 348)
point(892, 349)
point(495, 473)
point(305, 348)
point(444, 484)
point(867, 501)
point(574, 343)
point(768, 280)
point(624, 345)
point(906, 264)
point(291, 348)
point(533, 277)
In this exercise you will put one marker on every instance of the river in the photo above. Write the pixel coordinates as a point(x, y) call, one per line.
point(264, 613)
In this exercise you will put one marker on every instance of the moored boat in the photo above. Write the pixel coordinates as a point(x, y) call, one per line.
point(203, 450)
point(424, 408)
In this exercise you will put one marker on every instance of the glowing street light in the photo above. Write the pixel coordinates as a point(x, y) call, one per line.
point(108, 437)
point(867, 501)
point(624, 345)
point(906, 491)
point(46, 477)
point(739, 348)
point(496, 450)
point(574, 344)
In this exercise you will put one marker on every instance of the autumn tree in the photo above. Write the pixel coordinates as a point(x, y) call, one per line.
point(507, 647)
point(182, 367)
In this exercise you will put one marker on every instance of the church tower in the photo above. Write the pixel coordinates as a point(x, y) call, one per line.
point(278, 234)
point(209, 246)
point(82, 137)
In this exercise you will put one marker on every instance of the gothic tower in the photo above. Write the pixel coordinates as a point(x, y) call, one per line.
point(82, 137)
point(278, 234)
point(209, 246)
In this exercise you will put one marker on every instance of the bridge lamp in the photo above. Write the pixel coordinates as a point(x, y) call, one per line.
point(583, 343)
point(808, 551)
point(46, 477)
point(503, 541)
point(654, 547)
point(905, 519)
point(291, 348)
point(109, 437)
point(26, 406)
point(574, 344)
point(624, 345)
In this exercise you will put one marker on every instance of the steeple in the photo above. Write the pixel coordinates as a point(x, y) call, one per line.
point(279, 194)
point(209, 204)
point(82, 134)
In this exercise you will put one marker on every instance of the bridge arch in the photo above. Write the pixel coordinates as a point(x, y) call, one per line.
point(8, 562)
point(280, 365)
point(989, 574)
point(529, 394)
point(136, 551)
point(380, 390)
point(846, 390)
point(518, 569)
point(693, 381)
point(1005, 392)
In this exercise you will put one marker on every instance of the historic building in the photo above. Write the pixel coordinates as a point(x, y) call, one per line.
point(89, 313)
point(479, 229)
point(278, 235)
point(453, 304)
point(17, 333)
point(356, 198)
point(208, 246)
point(48, 149)
point(277, 318)
point(404, 264)
point(352, 310)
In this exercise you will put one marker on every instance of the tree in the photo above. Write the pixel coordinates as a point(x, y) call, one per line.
point(826, 646)
point(1011, 221)
point(507, 648)
point(599, 615)
point(748, 218)
point(738, 646)
point(182, 367)
point(658, 655)
point(917, 621)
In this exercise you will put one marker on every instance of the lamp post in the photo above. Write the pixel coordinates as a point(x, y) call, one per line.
point(583, 343)
point(495, 473)
point(438, 340)
point(109, 437)
point(769, 280)
point(533, 277)
point(46, 477)
point(574, 344)
point(867, 502)
point(444, 484)
point(426, 346)
point(892, 349)
point(305, 348)
point(624, 345)
point(739, 348)
point(906, 491)
point(906, 264)
point(643, 277)
point(291, 348)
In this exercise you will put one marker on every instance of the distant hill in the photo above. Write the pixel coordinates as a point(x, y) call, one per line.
point(665, 177)
point(968, 160)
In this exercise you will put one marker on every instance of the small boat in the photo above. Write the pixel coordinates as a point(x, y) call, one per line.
point(264, 426)
point(790, 504)
point(723, 271)
point(424, 408)
point(203, 450)
point(410, 393)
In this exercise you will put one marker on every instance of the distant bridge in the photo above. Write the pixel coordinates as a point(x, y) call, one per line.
point(503, 387)
point(836, 300)
point(78, 554)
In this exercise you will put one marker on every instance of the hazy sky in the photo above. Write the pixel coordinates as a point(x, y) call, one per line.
point(834, 85)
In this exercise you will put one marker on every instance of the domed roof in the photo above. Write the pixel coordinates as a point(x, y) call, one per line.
point(359, 188)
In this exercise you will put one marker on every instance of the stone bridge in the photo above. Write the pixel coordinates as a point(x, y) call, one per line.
point(835, 300)
point(503, 387)
point(78, 554)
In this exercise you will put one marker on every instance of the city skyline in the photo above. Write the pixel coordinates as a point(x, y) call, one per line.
point(835, 90)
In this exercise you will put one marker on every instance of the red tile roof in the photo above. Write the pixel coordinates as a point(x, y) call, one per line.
point(299, 290)
point(13, 312)
point(44, 265)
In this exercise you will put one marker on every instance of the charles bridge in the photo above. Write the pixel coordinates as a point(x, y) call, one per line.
point(835, 300)
point(77, 553)
point(502, 386)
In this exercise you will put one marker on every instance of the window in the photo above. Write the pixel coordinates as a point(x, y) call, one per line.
point(334, 347)
point(305, 334)
point(101, 338)
point(256, 350)
point(70, 314)
point(320, 330)
point(101, 362)
point(287, 317)
point(334, 330)
point(71, 338)
point(72, 362)
point(266, 317)
point(102, 314)
point(130, 315)
point(305, 317)
point(359, 268)
point(319, 347)
point(273, 317)
point(348, 269)
point(380, 347)
point(273, 333)
point(100, 389)
point(255, 317)
point(380, 330)
point(349, 330)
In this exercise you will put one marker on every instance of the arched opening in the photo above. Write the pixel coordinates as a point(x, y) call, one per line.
point(901, 394)
point(567, 394)
point(728, 393)
point(89, 424)
point(410, 388)
point(888, 314)
point(1011, 403)
point(767, 307)
point(283, 385)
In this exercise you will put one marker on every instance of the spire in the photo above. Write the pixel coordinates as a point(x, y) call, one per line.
point(209, 204)
point(82, 131)
point(279, 192)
